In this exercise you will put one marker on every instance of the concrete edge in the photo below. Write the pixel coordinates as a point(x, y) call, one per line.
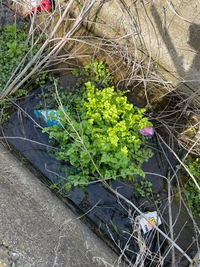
point(57, 212)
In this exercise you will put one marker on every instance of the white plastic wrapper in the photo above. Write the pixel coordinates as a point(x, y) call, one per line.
point(32, 3)
point(25, 7)
point(152, 217)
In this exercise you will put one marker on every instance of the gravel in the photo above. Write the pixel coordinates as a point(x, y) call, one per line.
point(9, 257)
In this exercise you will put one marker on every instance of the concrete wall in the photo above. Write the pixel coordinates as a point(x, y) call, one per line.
point(167, 31)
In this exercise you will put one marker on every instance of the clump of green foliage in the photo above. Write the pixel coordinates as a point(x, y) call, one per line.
point(13, 49)
point(100, 135)
point(191, 190)
point(96, 73)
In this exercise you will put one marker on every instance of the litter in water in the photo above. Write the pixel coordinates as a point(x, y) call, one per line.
point(48, 116)
point(148, 131)
point(152, 217)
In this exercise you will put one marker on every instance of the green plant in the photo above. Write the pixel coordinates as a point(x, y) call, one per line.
point(6, 104)
point(114, 227)
point(15, 53)
point(96, 73)
point(46, 98)
point(191, 190)
point(14, 50)
point(100, 135)
point(143, 189)
point(4, 107)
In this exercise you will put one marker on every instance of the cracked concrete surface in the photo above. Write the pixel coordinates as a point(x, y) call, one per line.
point(38, 228)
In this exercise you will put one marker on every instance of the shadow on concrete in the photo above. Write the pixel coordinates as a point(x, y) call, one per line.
point(194, 42)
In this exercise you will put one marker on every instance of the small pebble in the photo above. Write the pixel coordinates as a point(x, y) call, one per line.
point(2, 264)
point(18, 264)
point(13, 255)
point(5, 244)
point(9, 257)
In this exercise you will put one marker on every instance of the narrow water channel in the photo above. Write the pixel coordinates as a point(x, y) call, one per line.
point(112, 219)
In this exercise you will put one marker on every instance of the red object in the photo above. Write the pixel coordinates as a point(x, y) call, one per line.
point(44, 6)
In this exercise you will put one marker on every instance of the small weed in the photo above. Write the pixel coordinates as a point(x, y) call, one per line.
point(143, 188)
point(191, 191)
point(114, 226)
point(6, 104)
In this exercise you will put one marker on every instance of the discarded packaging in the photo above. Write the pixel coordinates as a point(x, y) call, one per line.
point(152, 217)
point(32, 5)
point(148, 131)
point(47, 115)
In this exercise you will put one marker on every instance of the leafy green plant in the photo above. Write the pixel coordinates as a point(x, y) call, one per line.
point(100, 135)
point(96, 73)
point(15, 52)
point(13, 49)
point(191, 190)
point(144, 189)
point(6, 104)
point(4, 107)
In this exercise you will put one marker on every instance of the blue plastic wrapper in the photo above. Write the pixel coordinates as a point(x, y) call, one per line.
point(46, 115)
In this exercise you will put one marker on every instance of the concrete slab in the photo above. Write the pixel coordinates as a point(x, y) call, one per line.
point(163, 31)
point(37, 229)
